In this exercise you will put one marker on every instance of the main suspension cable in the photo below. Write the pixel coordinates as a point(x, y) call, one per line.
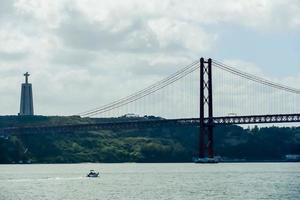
point(255, 78)
point(148, 90)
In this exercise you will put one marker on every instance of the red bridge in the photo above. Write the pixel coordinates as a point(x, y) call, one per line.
point(194, 97)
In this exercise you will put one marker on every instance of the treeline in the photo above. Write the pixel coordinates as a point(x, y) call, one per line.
point(166, 144)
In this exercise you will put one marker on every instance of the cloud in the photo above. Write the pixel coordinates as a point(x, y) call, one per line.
point(86, 53)
point(266, 15)
point(95, 36)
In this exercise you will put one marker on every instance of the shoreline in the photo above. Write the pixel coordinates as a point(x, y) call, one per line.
point(229, 161)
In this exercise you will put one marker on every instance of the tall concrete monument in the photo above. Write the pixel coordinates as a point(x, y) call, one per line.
point(26, 104)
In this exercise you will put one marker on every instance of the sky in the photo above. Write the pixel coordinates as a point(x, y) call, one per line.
point(82, 54)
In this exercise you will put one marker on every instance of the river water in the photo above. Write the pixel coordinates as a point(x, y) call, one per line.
point(151, 181)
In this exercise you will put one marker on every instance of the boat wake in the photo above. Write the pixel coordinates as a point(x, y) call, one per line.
point(43, 179)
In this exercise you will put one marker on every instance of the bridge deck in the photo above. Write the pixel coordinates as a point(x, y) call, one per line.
point(250, 119)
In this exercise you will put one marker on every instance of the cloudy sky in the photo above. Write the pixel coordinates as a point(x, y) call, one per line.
point(85, 53)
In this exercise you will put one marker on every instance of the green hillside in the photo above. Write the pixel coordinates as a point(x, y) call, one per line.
point(172, 144)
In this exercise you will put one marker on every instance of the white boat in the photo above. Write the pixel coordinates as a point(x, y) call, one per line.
point(93, 174)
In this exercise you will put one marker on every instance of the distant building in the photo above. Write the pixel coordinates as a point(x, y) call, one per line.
point(131, 115)
point(26, 104)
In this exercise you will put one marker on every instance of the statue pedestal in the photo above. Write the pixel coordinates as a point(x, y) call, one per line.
point(26, 105)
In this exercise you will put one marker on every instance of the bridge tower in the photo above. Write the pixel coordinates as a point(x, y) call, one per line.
point(206, 110)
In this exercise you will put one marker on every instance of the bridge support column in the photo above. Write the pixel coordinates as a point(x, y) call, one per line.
point(206, 109)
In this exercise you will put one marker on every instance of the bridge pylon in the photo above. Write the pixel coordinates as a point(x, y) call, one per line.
point(206, 110)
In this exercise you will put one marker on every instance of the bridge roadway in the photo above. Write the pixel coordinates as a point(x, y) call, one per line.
point(249, 119)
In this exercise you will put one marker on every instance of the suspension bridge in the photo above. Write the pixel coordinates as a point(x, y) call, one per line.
point(205, 93)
